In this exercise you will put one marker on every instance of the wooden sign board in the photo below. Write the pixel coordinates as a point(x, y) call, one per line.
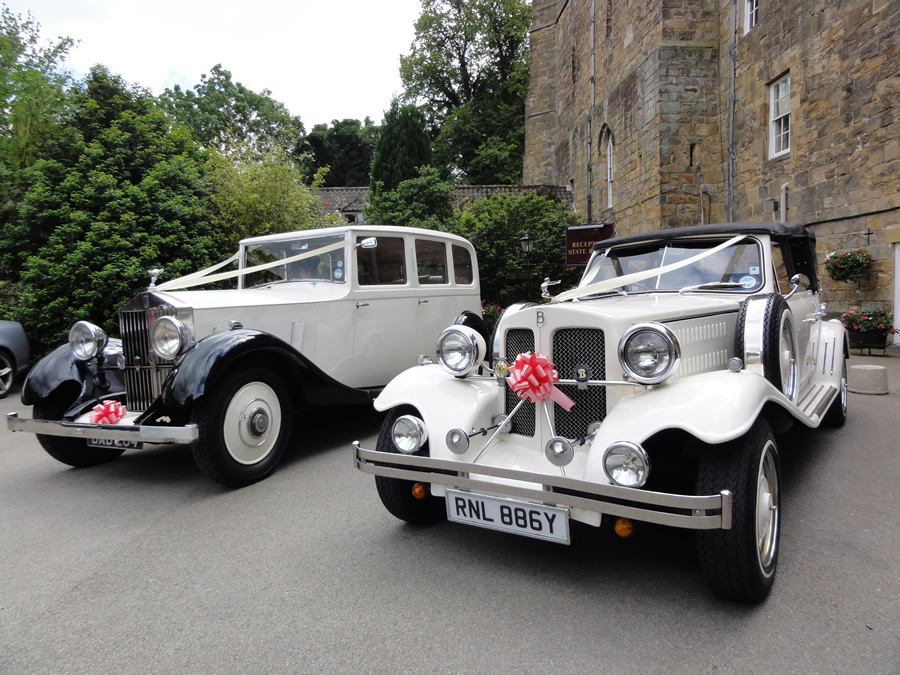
point(581, 238)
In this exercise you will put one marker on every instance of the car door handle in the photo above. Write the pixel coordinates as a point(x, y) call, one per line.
point(422, 300)
point(810, 320)
point(361, 304)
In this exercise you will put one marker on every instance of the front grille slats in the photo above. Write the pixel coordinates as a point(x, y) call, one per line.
point(519, 341)
point(142, 385)
point(572, 347)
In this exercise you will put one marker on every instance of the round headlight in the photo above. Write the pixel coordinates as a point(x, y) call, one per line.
point(86, 340)
point(649, 352)
point(170, 337)
point(409, 434)
point(626, 464)
point(460, 350)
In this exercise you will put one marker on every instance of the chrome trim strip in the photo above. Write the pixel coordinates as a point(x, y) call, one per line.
point(145, 434)
point(608, 499)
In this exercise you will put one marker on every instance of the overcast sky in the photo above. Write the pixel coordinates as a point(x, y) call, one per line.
point(324, 59)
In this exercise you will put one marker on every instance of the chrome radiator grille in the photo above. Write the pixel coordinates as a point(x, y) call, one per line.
point(579, 347)
point(571, 347)
point(519, 341)
point(143, 379)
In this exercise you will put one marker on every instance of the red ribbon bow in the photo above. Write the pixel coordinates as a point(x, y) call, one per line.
point(532, 376)
point(108, 412)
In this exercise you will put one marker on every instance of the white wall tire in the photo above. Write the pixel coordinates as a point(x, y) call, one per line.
point(245, 425)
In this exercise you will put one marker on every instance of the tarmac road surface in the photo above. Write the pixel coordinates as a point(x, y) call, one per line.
point(145, 566)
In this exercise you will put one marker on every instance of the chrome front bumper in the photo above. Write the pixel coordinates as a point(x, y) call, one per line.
point(708, 512)
point(141, 434)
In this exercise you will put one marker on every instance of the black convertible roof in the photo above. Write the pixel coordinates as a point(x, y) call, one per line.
point(777, 231)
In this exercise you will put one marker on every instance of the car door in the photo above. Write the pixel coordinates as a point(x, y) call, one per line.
point(384, 312)
point(804, 307)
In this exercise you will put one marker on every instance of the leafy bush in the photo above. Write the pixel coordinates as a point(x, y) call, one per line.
point(849, 265)
point(495, 225)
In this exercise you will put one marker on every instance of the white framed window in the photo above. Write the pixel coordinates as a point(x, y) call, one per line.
point(780, 116)
point(751, 14)
point(610, 163)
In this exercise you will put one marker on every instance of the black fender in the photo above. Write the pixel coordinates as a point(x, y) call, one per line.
point(61, 369)
point(476, 323)
point(207, 361)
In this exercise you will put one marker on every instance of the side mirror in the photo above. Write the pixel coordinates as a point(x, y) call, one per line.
point(798, 281)
point(368, 242)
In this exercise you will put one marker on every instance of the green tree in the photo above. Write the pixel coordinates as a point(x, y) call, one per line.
point(31, 87)
point(403, 146)
point(469, 69)
point(495, 225)
point(254, 195)
point(345, 148)
point(424, 201)
point(117, 193)
point(219, 110)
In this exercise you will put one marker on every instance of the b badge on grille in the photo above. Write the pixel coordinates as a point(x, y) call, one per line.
point(581, 373)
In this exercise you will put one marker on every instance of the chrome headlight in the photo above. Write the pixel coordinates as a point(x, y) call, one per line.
point(460, 350)
point(86, 340)
point(649, 352)
point(409, 434)
point(626, 464)
point(169, 338)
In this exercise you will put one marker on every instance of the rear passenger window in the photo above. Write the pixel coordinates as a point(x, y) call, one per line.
point(431, 261)
point(462, 265)
point(383, 264)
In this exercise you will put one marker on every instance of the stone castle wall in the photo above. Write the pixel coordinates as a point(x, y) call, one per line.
point(660, 78)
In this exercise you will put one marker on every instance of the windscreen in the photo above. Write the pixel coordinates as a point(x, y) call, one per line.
point(328, 266)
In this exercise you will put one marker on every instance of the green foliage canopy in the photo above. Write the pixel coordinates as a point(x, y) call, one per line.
point(31, 87)
point(469, 69)
point(495, 225)
point(253, 195)
point(345, 149)
point(118, 193)
point(403, 146)
point(219, 110)
point(424, 201)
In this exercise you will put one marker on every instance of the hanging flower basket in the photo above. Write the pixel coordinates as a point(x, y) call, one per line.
point(848, 265)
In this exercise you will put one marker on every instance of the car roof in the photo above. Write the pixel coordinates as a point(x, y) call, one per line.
point(776, 231)
point(370, 230)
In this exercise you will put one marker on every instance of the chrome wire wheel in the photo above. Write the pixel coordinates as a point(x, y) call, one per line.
point(767, 511)
point(787, 358)
point(252, 423)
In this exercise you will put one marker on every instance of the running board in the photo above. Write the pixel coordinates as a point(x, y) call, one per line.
point(815, 399)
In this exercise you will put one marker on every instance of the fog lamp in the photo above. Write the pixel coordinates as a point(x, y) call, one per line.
point(409, 434)
point(626, 464)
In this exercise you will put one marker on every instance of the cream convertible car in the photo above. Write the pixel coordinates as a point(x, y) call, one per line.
point(651, 392)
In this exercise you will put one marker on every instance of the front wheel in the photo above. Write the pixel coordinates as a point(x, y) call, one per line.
point(397, 494)
point(244, 425)
point(740, 563)
point(72, 451)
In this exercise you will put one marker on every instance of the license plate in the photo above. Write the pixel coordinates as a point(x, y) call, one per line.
point(509, 515)
point(110, 443)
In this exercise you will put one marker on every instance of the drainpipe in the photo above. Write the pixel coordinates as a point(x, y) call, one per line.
point(784, 207)
point(732, 97)
point(590, 127)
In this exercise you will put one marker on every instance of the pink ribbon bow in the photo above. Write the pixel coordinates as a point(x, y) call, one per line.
point(108, 412)
point(532, 376)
